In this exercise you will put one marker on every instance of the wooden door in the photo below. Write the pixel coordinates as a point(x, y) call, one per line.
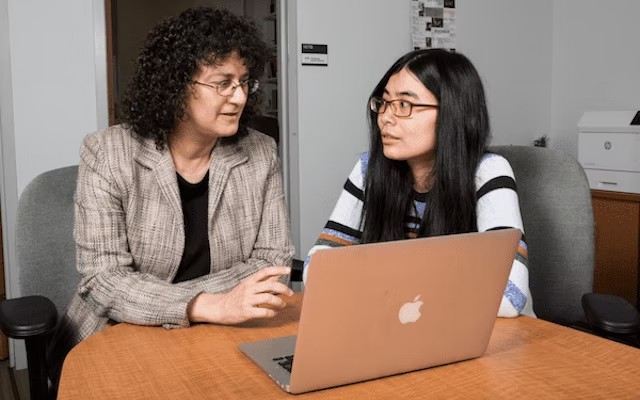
point(617, 217)
point(108, 12)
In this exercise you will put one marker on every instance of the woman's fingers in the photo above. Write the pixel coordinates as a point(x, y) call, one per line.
point(257, 295)
point(267, 280)
point(268, 300)
point(272, 287)
point(261, 312)
point(262, 305)
point(270, 272)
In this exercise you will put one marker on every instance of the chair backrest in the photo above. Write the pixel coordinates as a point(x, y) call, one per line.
point(45, 249)
point(555, 201)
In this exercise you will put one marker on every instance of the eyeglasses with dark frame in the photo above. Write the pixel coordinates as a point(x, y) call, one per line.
point(228, 88)
point(399, 108)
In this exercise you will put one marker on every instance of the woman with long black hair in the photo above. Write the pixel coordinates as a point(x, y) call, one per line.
point(427, 172)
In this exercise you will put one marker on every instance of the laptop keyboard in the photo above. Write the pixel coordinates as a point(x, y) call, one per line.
point(285, 362)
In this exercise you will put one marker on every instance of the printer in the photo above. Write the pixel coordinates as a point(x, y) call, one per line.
point(609, 149)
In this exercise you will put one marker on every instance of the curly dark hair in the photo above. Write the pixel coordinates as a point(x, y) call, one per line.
point(155, 99)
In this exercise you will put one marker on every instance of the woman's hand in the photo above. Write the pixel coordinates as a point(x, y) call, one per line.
point(254, 297)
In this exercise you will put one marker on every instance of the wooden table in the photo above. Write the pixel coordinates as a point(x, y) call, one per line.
point(526, 358)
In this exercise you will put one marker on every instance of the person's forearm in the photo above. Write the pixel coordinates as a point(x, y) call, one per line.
point(202, 307)
point(257, 296)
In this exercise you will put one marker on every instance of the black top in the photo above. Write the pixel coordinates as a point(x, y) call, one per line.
point(196, 260)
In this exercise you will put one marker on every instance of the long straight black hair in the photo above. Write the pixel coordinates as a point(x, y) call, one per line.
point(462, 134)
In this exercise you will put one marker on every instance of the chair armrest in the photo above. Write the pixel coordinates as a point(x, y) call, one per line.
point(611, 313)
point(29, 316)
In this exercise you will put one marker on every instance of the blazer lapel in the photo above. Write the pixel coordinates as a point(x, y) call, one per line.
point(162, 164)
point(225, 157)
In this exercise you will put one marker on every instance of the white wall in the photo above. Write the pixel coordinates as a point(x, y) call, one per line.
point(331, 127)
point(54, 82)
point(509, 42)
point(596, 63)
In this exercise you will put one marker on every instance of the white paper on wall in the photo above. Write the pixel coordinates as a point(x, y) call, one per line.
point(434, 24)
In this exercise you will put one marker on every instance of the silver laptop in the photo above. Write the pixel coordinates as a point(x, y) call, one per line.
point(381, 309)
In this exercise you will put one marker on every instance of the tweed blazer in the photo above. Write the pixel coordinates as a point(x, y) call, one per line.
point(129, 230)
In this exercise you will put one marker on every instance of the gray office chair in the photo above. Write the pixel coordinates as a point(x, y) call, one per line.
point(45, 253)
point(555, 201)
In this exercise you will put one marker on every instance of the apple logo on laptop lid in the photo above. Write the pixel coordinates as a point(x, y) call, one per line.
point(410, 312)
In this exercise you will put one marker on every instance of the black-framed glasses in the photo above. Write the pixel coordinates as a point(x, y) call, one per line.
point(228, 88)
point(399, 108)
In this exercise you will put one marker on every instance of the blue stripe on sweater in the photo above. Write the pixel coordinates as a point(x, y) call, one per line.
point(515, 296)
point(420, 208)
point(364, 163)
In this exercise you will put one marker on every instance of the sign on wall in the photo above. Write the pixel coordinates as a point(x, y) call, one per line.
point(315, 54)
point(434, 24)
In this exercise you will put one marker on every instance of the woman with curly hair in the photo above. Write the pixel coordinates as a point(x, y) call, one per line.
point(428, 172)
point(180, 214)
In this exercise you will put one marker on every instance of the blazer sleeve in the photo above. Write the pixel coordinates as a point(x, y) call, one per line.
point(110, 282)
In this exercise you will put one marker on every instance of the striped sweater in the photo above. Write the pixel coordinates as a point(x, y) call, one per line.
point(497, 206)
